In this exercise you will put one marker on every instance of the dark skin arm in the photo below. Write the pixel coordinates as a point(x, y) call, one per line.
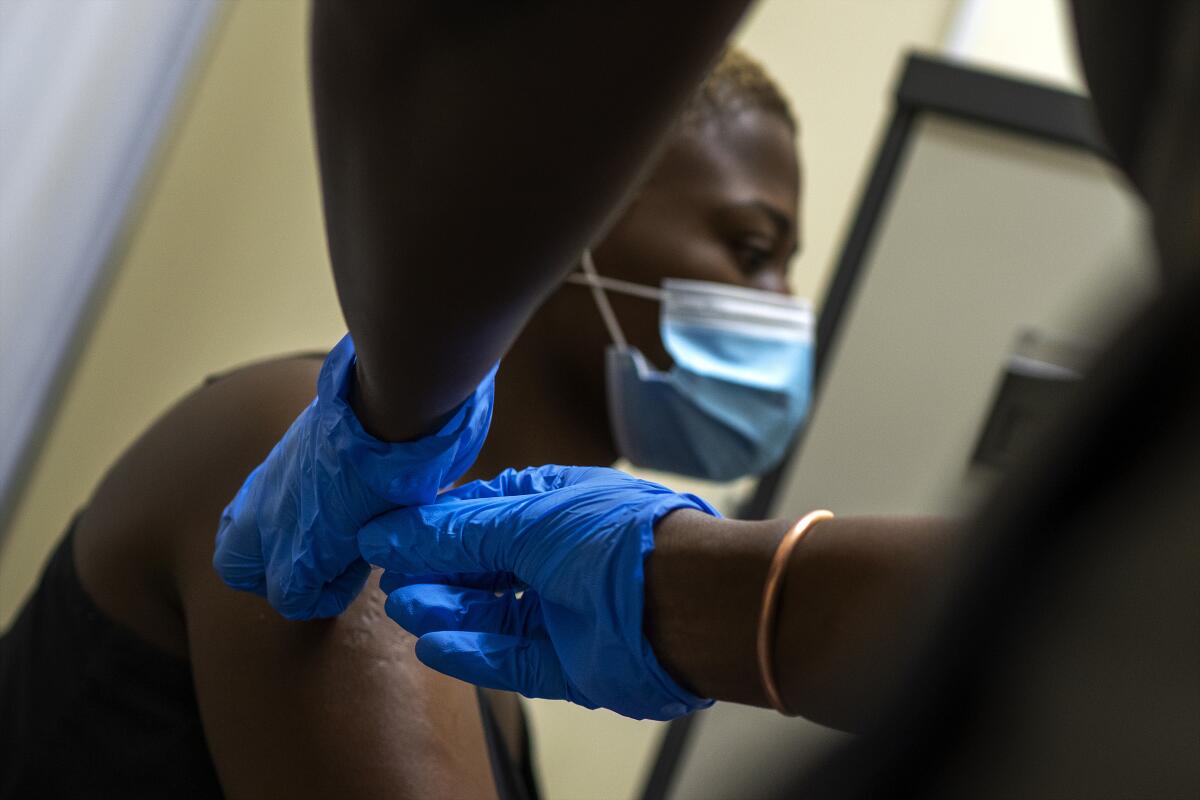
point(469, 151)
point(852, 607)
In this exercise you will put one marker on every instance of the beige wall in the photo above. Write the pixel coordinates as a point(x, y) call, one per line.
point(227, 263)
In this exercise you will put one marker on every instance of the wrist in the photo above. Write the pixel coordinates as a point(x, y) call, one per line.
point(390, 473)
point(703, 593)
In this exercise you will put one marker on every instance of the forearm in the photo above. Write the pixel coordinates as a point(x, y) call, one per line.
point(854, 600)
point(468, 153)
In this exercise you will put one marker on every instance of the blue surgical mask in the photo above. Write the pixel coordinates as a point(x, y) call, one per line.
point(740, 387)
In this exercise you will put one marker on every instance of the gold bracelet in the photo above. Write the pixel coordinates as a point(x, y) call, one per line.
point(766, 620)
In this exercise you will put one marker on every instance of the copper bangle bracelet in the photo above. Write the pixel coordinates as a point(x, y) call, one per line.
point(770, 603)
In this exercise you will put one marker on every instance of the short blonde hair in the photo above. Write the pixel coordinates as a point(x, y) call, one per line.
point(738, 82)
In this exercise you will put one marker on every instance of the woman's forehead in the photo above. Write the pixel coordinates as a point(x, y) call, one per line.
point(745, 156)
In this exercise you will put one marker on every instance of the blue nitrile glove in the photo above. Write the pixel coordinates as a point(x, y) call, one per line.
point(577, 538)
point(290, 533)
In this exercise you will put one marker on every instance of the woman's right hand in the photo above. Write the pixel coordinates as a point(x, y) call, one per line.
point(577, 539)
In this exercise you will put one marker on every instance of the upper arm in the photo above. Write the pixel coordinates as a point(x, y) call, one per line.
point(298, 709)
point(336, 707)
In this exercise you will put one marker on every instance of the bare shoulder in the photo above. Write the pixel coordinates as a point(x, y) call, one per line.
point(172, 482)
point(300, 709)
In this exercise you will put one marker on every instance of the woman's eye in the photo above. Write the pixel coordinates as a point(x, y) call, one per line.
point(752, 256)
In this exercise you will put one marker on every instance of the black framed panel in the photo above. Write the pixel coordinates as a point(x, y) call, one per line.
point(933, 85)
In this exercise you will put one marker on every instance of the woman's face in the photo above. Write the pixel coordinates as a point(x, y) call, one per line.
point(721, 205)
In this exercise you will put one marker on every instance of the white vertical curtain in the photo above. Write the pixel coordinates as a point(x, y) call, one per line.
point(86, 90)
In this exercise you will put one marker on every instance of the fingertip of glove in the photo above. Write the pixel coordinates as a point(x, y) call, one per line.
point(447, 643)
point(431, 650)
point(411, 609)
point(238, 572)
point(396, 607)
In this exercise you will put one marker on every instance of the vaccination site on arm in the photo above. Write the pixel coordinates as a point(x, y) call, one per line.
point(705, 399)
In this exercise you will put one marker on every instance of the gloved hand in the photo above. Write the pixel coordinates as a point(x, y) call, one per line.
point(577, 538)
point(290, 533)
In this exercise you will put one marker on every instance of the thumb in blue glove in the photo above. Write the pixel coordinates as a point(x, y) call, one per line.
point(577, 539)
point(290, 533)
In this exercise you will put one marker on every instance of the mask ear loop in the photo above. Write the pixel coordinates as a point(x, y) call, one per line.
point(610, 319)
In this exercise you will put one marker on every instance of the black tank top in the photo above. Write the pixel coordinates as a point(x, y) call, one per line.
point(89, 709)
